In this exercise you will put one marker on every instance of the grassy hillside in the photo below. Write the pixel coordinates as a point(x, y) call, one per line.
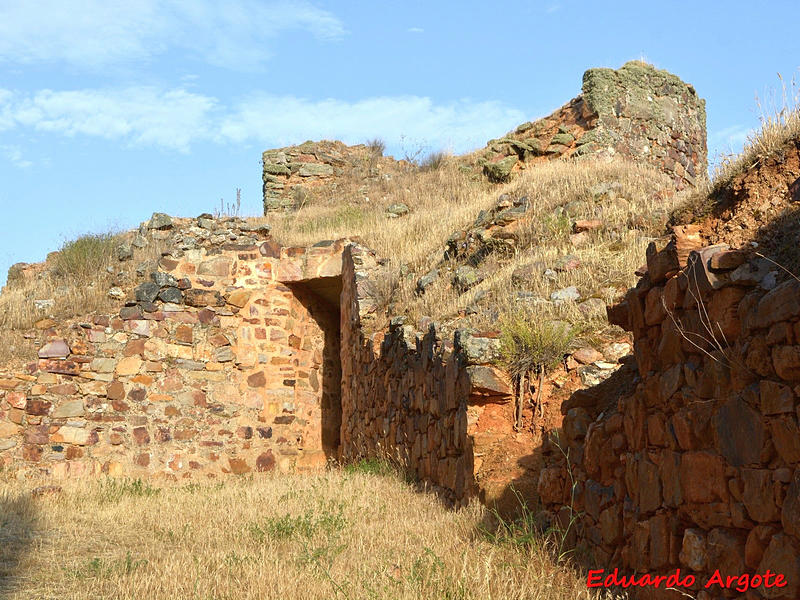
point(630, 203)
point(752, 201)
point(352, 534)
point(539, 255)
point(83, 277)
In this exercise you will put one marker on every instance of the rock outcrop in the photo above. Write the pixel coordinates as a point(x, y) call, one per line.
point(637, 112)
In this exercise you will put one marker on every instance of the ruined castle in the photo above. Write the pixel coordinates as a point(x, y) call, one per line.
point(239, 355)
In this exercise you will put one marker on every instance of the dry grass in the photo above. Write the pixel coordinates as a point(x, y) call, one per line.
point(439, 200)
point(76, 278)
point(780, 123)
point(560, 193)
point(449, 198)
point(341, 534)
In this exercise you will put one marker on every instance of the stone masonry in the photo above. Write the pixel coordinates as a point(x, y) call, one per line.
point(417, 398)
point(243, 356)
point(291, 175)
point(637, 112)
point(699, 468)
point(219, 366)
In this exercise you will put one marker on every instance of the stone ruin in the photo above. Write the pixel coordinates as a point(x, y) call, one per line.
point(240, 355)
point(294, 174)
point(637, 112)
point(694, 463)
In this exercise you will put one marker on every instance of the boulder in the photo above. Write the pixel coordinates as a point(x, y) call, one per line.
point(567, 294)
point(427, 280)
point(466, 277)
point(500, 170)
point(147, 291)
point(124, 252)
point(396, 210)
point(54, 349)
point(160, 221)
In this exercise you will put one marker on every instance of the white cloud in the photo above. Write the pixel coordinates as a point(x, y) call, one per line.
point(175, 119)
point(280, 120)
point(98, 33)
point(141, 115)
point(731, 137)
point(14, 155)
point(6, 118)
point(416, 30)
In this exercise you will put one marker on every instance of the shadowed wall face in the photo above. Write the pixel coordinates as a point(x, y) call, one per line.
point(321, 297)
point(17, 533)
point(698, 467)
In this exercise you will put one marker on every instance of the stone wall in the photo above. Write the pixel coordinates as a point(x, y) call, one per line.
point(295, 174)
point(222, 363)
point(637, 112)
point(241, 356)
point(436, 406)
point(699, 467)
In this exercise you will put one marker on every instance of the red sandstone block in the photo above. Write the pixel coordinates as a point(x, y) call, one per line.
point(703, 477)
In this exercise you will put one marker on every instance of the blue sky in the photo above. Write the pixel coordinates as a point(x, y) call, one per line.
point(113, 109)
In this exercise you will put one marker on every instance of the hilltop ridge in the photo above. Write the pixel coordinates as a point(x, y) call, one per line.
point(636, 113)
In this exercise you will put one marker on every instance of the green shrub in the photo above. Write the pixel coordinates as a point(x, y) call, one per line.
point(371, 466)
point(329, 520)
point(528, 343)
point(86, 255)
point(99, 568)
point(114, 490)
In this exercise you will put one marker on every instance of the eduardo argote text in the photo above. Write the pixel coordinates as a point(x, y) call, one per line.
point(741, 583)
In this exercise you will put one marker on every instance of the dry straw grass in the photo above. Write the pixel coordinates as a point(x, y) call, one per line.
point(440, 199)
point(780, 123)
point(560, 192)
point(76, 278)
point(348, 535)
point(449, 197)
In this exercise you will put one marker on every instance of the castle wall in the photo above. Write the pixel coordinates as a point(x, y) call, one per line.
point(636, 112)
point(218, 367)
point(293, 175)
point(415, 397)
point(699, 468)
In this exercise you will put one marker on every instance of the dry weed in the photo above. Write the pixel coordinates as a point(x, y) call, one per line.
point(780, 123)
point(77, 280)
point(337, 535)
point(633, 212)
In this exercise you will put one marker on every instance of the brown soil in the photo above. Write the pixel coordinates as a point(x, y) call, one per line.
point(760, 205)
